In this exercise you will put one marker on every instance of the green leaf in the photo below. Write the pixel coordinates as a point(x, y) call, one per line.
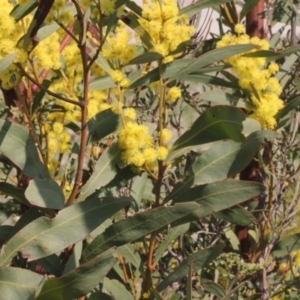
point(74, 259)
point(138, 188)
point(45, 193)
point(146, 58)
point(132, 21)
point(100, 83)
point(4, 233)
point(17, 283)
point(213, 288)
point(102, 124)
point(292, 104)
point(130, 254)
point(287, 246)
point(198, 260)
point(173, 234)
point(139, 225)
point(39, 96)
point(263, 53)
point(14, 192)
point(210, 80)
point(44, 236)
point(21, 11)
point(52, 264)
point(221, 97)
point(30, 215)
point(216, 123)
point(102, 62)
point(226, 159)
point(46, 31)
point(116, 289)
point(212, 57)
point(247, 6)
point(16, 145)
point(236, 215)
point(6, 61)
point(169, 70)
point(220, 195)
point(104, 172)
point(80, 281)
point(194, 8)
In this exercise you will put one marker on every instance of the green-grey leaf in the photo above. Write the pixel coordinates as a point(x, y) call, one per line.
point(226, 159)
point(292, 104)
point(286, 246)
point(100, 83)
point(102, 124)
point(116, 289)
point(173, 234)
point(44, 236)
point(14, 192)
point(146, 58)
point(45, 193)
point(221, 97)
point(139, 225)
point(210, 80)
point(6, 61)
point(236, 215)
point(220, 195)
point(17, 283)
point(104, 172)
point(197, 260)
point(214, 56)
point(216, 123)
point(16, 145)
point(194, 8)
point(213, 288)
point(80, 281)
point(20, 11)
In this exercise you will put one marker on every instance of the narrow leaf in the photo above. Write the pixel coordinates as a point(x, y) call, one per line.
point(214, 56)
point(146, 58)
point(14, 192)
point(102, 124)
point(226, 159)
point(287, 246)
point(194, 8)
point(213, 288)
point(247, 6)
point(21, 11)
point(173, 234)
point(198, 259)
point(6, 61)
point(45, 193)
point(80, 281)
point(17, 283)
point(220, 195)
point(236, 215)
point(216, 123)
point(40, 238)
point(16, 145)
point(139, 225)
point(104, 172)
point(103, 82)
point(116, 289)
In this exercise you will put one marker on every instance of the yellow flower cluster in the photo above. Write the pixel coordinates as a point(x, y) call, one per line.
point(138, 146)
point(118, 47)
point(10, 33)
point(255, 77)
point(166, 27)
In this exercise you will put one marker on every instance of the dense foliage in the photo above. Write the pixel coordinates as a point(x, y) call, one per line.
point(142, 158)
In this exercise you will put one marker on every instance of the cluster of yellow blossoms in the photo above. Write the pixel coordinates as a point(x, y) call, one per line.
point(57, 57)
point(165, 26)
point(255, 78)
